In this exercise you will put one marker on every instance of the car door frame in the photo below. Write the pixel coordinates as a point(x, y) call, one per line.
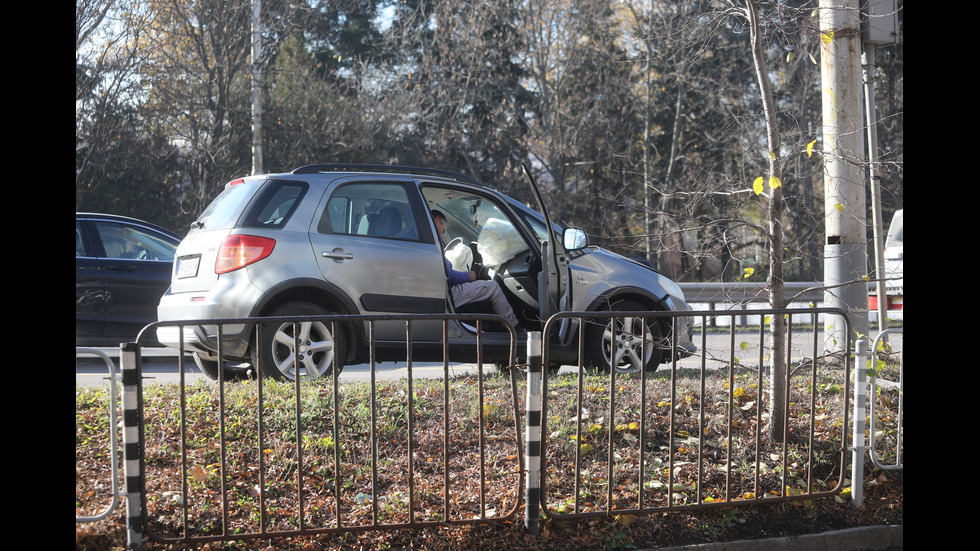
point(347, 248)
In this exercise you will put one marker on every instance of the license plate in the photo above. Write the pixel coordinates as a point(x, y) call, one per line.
point(187, 266)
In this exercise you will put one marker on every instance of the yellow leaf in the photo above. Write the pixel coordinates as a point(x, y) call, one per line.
point(747, 272)
point(198, 473)
point(586, 448)
point(828, 37)
point(809, 148)
point(774, 183)
point(757, 185)
point(625, 520)
point(839, 207)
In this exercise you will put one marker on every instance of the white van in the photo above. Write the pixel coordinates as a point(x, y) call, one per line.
point(893, 253)
point(893, 265)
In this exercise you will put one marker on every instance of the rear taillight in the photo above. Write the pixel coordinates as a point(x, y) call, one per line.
point(238, 251)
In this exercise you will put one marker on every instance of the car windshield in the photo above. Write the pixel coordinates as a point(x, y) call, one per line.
point(535, 220)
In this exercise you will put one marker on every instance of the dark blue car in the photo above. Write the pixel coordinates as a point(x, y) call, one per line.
point(122, 268)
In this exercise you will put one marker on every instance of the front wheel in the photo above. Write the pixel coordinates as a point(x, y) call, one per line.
point(626, 343)
point(307, 349)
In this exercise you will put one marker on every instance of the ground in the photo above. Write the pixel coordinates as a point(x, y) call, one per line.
point(673, 410)
point(883, 505)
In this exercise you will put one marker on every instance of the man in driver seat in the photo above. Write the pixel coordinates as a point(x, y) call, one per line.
point(466, 288)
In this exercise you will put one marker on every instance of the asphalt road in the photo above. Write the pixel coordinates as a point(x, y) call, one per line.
point(160, 365)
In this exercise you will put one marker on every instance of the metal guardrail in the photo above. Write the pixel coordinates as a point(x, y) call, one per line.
point(730, 296)
point(740, 293)
point(113, 439)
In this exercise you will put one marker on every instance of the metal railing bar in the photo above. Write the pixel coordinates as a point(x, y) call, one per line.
point(113, 438)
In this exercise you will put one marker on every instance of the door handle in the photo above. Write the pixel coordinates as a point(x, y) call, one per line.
point(338, 255)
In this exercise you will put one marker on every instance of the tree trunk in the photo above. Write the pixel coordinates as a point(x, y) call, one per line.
point(777, 297)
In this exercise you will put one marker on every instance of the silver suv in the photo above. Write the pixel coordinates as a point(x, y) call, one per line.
point(360, 240)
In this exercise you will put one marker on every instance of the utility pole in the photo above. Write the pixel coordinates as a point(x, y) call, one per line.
point(257, 162)
point(845, 248)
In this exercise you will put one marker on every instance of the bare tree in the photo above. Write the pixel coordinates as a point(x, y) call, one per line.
point(198, 83)
point(106, 89)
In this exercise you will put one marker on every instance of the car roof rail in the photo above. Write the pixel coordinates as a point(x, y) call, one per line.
point(356, 167)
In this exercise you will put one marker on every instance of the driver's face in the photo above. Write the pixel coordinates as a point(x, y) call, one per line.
point(440, 226)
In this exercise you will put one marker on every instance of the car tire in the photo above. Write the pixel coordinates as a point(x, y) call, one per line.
point(628, 347)
point(321, 343)
point(233, 371)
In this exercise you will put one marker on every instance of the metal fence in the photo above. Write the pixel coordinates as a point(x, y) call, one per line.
point(886, 406)
point(112, 456)
point(263, 459)
point(701, 433)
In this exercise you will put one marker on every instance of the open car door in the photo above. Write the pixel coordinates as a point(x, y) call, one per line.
point(553, 279)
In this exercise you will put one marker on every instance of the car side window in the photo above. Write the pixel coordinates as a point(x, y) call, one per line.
point(478, 219)
point(80, 248)
point(133, 242)
point(370, 209)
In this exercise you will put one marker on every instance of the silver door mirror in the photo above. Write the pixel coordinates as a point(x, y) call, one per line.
point(575, 239)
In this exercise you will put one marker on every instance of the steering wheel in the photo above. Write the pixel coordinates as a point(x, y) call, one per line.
point(456, 242)
point(143, 255)
point(466, 255)
point(459, 254)
point(482, 272)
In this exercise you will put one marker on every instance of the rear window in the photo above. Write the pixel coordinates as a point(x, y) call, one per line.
point(226, 208)
point(274, 204)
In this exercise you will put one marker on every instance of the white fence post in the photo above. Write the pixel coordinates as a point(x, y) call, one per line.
point(860, 404)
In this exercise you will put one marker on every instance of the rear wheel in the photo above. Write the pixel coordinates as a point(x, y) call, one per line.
point(627, 343)
point(306, 349)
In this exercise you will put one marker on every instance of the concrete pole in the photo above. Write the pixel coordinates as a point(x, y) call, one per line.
point(845, 249)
